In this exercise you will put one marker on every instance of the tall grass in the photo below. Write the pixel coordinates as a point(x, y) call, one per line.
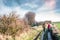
point(12, 25)
point(14, 28)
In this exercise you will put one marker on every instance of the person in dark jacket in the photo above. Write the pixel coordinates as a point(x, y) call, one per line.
point(43, 27)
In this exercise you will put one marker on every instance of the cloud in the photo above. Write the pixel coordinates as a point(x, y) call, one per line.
point(6, 10)
point(3, 8)
point(10, 3)
point(50, 3)
point(8, 6)
point(30, 5)
point(43, 16)
point(20, 11)
point(46, 12)
point(57, 4)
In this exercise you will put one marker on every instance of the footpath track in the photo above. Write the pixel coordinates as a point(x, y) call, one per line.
point(45, 36)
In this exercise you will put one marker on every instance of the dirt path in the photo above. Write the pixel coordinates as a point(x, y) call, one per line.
point(49, 36)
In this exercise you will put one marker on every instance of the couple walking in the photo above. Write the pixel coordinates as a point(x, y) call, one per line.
point(47, 31)
point(47, 26)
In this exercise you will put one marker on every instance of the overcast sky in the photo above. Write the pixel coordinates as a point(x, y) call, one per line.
point(44, 9)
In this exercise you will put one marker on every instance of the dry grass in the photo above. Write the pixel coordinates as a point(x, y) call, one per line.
point(13, 28)
point(29, 35)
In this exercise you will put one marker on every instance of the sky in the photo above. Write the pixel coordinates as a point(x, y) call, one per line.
point(44, 9)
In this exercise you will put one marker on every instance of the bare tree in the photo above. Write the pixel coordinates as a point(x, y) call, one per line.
point(30, 17)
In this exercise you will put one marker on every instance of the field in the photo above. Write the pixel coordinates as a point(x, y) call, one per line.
point(57, 24)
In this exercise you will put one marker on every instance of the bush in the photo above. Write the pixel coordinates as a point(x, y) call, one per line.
point(11, 24)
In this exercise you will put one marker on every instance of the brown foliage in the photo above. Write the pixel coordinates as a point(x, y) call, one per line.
point(11, 24)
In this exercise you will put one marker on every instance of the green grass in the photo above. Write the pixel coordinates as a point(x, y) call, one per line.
point(58, 24)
